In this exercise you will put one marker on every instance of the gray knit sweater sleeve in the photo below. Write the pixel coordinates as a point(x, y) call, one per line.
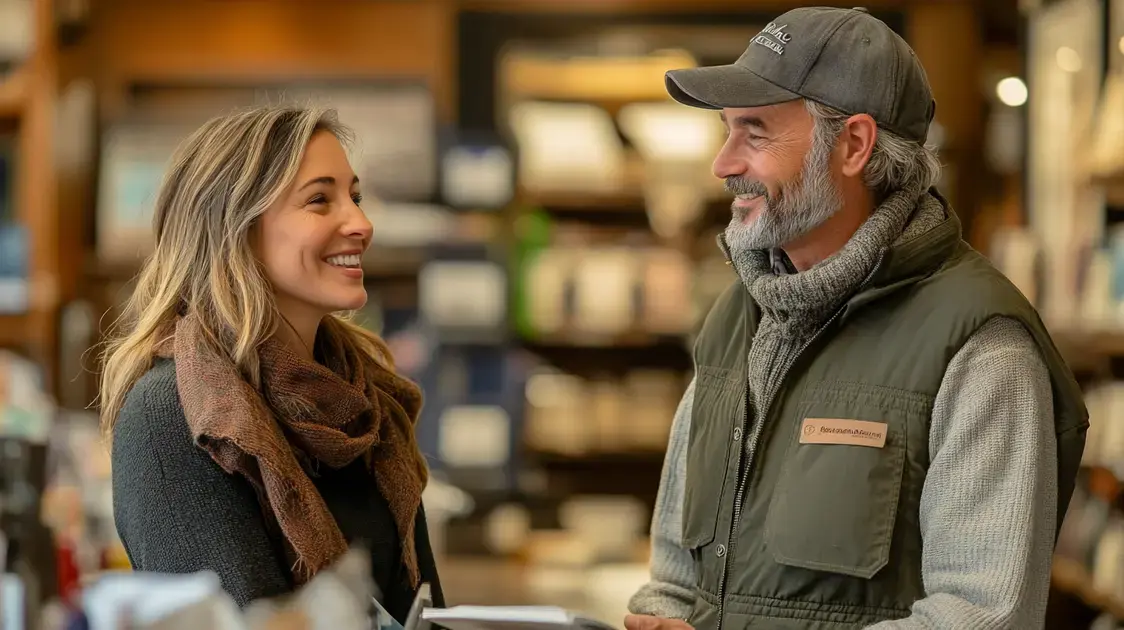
point(987, 508)
point(175, 509)
point(670, 592)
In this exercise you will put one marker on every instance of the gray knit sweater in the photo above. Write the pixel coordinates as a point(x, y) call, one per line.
point(987, 507)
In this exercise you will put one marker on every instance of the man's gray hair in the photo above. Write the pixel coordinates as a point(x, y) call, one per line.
point(895, 163)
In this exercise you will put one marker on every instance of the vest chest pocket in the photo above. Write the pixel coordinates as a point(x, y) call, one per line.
point(718, 408)
point(836, 502)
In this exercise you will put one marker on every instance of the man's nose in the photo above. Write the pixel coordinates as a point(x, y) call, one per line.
point(727, 163)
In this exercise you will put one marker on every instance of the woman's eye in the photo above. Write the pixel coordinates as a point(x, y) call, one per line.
point(317, 200)
point(357, 198)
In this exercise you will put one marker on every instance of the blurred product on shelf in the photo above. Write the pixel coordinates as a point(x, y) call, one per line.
point(7, 179)
point(25, 409)
point(592, 291)
point(566, 147)
point(1089, 556)
point(570, 415)
point(478, 176)
point(592, 561)
point(16, 32)
point(133, 159)
point(15, 286)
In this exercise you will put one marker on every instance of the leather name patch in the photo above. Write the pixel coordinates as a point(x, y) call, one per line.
point(840, 431)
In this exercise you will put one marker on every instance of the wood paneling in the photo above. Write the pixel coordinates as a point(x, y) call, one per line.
point(13, 93)
point(193, 41)
point(36, 188)
point(678, 6)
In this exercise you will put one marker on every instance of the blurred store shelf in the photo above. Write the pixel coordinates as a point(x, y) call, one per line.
point(1088, 349)
point(1070, 577)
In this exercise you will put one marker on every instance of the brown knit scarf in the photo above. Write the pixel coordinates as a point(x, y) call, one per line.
point(310, 414)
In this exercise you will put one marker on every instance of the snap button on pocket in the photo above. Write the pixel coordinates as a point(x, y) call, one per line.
point(737, 433)
point(720, 550)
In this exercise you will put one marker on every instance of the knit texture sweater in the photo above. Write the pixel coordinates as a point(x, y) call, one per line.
point(988, 504)
point(177, 511)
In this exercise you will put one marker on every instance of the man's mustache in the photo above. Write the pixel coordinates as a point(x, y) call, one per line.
point(736, 185)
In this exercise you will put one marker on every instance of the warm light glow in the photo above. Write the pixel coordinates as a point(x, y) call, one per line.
point(1011, 91)
point(1120, 45)
point(1068, 59)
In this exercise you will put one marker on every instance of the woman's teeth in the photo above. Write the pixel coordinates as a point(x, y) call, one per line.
point(349, 260)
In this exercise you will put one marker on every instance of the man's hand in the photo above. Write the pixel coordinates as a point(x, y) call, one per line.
point(648, 622)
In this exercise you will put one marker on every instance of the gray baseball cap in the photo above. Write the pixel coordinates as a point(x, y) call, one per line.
point(843, 58)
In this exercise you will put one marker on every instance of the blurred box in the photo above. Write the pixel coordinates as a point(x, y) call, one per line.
point(15, 288)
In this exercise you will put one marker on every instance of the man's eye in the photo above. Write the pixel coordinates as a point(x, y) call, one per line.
point(755, 138)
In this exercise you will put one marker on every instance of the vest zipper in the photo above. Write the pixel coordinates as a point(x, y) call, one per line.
point(745, 464)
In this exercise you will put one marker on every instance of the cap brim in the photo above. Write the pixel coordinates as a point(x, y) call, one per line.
point(716, 87)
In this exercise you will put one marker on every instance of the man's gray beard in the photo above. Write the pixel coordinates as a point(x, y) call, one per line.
point(802, 205)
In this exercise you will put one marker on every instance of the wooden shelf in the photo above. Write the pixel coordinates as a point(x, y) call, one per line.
point(627, 200)
point(13, 93)
point(1070, 577)
point(593, 79)
point(623, 201)
point(1088, 349)
point(594, 459)
point(637, 339)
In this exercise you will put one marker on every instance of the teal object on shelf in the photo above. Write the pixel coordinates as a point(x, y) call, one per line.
point(533, 232)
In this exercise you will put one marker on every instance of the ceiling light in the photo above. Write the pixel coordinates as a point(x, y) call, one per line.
point(1011, 91)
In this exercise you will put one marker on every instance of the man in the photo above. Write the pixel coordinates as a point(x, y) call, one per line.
point(880, 433)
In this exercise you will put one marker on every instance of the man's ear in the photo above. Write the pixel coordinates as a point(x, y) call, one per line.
point(856, 143)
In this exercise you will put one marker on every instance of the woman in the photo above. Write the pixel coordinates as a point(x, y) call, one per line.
point(255, 432)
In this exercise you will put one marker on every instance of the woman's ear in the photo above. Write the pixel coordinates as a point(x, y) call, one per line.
point(856, 142)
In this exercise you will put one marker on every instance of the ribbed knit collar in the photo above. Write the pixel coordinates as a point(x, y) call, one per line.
point(800, 302)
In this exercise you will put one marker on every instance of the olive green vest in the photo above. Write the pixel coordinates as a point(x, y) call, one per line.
point(826, 535)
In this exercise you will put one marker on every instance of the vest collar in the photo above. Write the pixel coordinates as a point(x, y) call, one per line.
point(913, 257)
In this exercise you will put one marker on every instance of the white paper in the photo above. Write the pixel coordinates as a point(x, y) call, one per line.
point(509, 618)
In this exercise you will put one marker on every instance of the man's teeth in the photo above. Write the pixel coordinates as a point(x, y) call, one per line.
point(746, 197)
point(349, 260)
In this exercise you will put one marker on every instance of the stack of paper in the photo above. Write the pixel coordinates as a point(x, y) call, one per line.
point(510, 618)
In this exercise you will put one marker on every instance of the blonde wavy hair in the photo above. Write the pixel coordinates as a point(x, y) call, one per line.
point(220, 181)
